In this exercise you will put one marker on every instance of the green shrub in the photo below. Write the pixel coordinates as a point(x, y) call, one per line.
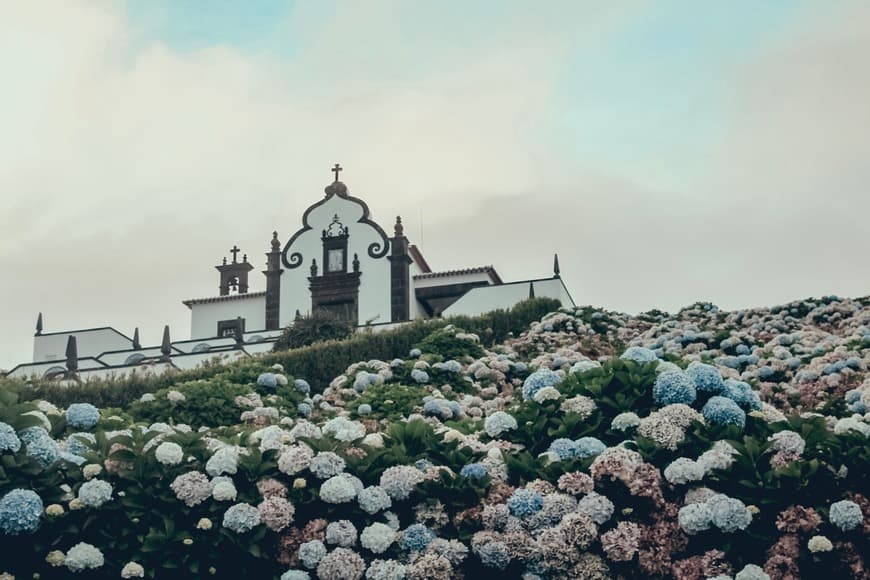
point(319, 326)
point(445, 344)
point(390, 401)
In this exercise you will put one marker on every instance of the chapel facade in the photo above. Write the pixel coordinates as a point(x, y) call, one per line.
point(338, 260)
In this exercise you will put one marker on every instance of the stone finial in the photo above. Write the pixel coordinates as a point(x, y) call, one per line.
point(136, 344)
point(276, 245)
point(166, 345)
point(313, 267)
point(237, 331)
point(531, 289)
point(225, 260)
point(555, 265)
point(39, 324)
point(399, 229)
point(72, 355)
point(298, 314)
point(355, 263)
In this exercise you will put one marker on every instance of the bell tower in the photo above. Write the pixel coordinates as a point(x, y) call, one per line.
point(234, 276)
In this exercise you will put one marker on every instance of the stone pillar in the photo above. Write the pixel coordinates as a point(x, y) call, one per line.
point(400, 275)
point(273, 284)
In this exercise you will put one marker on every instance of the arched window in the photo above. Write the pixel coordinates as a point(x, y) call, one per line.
point(54, 372)
point(134, 358)
point(257, 338)
point(202, 347)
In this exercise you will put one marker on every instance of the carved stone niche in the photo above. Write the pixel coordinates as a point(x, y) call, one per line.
point(337, 293)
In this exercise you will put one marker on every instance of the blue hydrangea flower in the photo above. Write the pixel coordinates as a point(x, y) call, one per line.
point(268, 380)
point(373, 499)
point(742, 349)
point(364, 380)
point(539, 379)
point(741, 393)
point(82, 415)
point(302, 386)
point(39, 445)
point(364, 409)
point(437, 408)
point(853, 400)
point(295, 575)
point(525, 502)
point(639, 355)
point(473, 471)
point(563, 447)
point(451, 366)
point(589, 447)
point(9, 441)
point(420, 376)
point(304, 409)
point(494, 555)
point(20, 512)
point(723, 411)
point(72, 458)
point(95, 492)
point(695, 517)
point(498, 423)
point(416, 537)
point(728, 514)
point(241, 518)
point(846, 515)
point(310, 553)
point(76, 443)
point(414, 353)
point(674, 387)
point(706, 377)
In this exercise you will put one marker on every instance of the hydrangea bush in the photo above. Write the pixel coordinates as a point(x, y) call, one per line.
point(703, 444)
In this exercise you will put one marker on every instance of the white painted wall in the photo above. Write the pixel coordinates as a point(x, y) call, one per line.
point(48, 347)
point(374, 293)
point(189, 361)
point(204, 317)
point(119, 358)
point(27, 371)
point(487, 298)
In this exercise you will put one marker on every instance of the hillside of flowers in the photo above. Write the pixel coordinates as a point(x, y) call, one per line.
point(696, 445)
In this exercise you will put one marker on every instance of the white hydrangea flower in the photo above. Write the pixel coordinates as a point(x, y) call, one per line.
point(684, 470)
point(132, 570)
point(169, 453)
point(819, 544)
point(377, 538)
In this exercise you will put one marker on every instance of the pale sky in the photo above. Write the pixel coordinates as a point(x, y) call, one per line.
point(669, 151)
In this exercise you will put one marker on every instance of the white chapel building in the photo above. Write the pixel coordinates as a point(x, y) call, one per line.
point(339, 260)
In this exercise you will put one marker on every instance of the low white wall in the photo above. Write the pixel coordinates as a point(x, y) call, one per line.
point(487, 298)
point(52, 347)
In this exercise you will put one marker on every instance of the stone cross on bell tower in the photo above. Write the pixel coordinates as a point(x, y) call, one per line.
point(235, 274)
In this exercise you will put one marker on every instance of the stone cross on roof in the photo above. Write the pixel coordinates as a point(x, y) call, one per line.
point(235, 252)
point(336, 170)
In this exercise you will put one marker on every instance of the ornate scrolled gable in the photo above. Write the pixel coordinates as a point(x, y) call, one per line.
point(377, 249)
